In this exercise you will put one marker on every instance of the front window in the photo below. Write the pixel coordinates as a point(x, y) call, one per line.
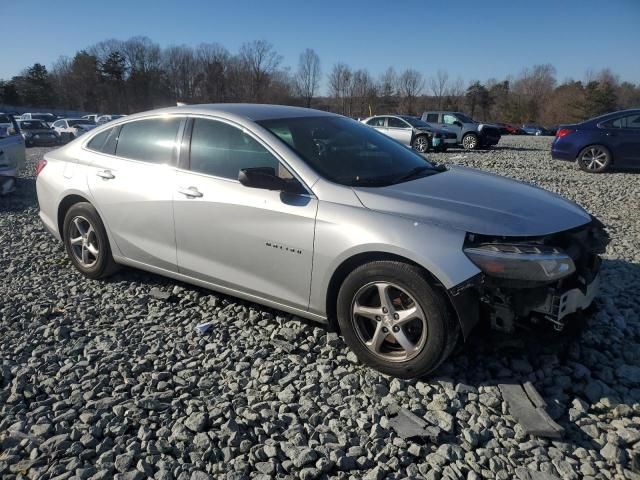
point(222, 150)
point(347, 152)
point(394, 122)
point(449, 119)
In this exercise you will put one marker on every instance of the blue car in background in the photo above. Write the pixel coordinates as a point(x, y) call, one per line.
point(611, 140)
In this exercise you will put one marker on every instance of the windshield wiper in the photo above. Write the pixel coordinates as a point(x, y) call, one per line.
point(417, 171)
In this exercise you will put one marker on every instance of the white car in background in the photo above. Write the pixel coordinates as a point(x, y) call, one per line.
point(12, 153)
point(92, 117)
point(70, 128)
point(47, 118)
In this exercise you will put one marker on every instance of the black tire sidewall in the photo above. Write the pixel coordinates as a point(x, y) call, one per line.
point(433, 305)
point(599, 170)
point(105, 261)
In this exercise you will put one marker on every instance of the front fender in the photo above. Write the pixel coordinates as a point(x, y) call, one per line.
point(343, 232)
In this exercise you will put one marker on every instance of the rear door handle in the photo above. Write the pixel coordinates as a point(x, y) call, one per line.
point(106, 174)
point(191, 192)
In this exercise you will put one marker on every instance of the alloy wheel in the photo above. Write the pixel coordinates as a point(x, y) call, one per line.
point(84, 242)
point(469, 142)
point(594, 158)
point(389, 321)
point(421, 144)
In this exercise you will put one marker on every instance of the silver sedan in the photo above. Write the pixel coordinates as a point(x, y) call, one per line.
point(321, 216)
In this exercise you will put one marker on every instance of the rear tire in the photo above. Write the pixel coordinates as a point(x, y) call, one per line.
point(420, 329)
point(594, 159)
point(86, 242)
point(470, 141)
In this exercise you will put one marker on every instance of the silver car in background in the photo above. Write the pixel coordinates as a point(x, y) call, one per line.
point(413, 132)
point(321, 216)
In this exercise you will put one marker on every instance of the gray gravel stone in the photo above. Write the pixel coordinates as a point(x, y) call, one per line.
point(108, 379)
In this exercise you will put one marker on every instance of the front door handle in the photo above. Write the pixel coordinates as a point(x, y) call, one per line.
point(191, 192)
point(106, 174)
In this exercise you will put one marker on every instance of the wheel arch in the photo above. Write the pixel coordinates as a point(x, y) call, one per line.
point(592, 144)
point(63, 207)
point(359, 259)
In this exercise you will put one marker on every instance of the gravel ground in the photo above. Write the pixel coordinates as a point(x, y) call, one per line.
point(103, 379)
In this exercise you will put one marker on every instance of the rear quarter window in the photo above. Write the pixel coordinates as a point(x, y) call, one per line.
point(105, 142)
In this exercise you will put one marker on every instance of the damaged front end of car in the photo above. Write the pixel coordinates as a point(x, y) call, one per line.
point(533, 279)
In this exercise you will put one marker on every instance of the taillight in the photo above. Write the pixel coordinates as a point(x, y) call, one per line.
point(563, 131)
point(40, 165)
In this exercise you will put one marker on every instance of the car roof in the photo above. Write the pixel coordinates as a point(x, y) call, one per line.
point(251, 111)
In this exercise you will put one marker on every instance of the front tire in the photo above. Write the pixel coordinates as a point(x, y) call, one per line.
point(420, 144)
point(86, 242)
point(394, 320)
point(470, 141)
point(594, 159)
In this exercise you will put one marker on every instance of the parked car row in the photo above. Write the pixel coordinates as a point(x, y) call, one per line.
point(436, 130)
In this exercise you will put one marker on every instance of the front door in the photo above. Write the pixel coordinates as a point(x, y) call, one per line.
point(252, 240)
point(453, 124)
point(134, 189)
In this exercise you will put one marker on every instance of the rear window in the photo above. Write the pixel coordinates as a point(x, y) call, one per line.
point(153, 140)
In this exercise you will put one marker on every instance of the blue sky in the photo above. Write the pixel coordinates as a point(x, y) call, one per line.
point(494, 40)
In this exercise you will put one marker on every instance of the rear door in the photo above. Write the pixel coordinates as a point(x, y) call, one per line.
point(131, 178)
point(453, 124)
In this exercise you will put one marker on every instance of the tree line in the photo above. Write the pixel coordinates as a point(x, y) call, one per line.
point(128, 76)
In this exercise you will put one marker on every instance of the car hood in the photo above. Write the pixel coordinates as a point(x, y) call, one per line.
point(478, 202)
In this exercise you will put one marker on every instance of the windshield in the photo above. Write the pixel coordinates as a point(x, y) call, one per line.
point(416, 122)
point(4, 119)
point(79, 122)
point(32, 124)
point(348, 152)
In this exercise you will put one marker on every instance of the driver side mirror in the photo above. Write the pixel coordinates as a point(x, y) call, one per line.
point(261, 177)
point(458, 123)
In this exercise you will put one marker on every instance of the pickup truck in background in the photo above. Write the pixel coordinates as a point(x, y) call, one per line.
point(470, 134)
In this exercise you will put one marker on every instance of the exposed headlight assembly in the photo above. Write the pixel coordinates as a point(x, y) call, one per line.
point(534, 263)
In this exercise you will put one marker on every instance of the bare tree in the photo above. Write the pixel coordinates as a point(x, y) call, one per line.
point(307, 79)
point(213, 62)
point(410, 85)
point(261, 60)
point(363, 92)
point(179, 66)
point(439, 86)
point(340, 80)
